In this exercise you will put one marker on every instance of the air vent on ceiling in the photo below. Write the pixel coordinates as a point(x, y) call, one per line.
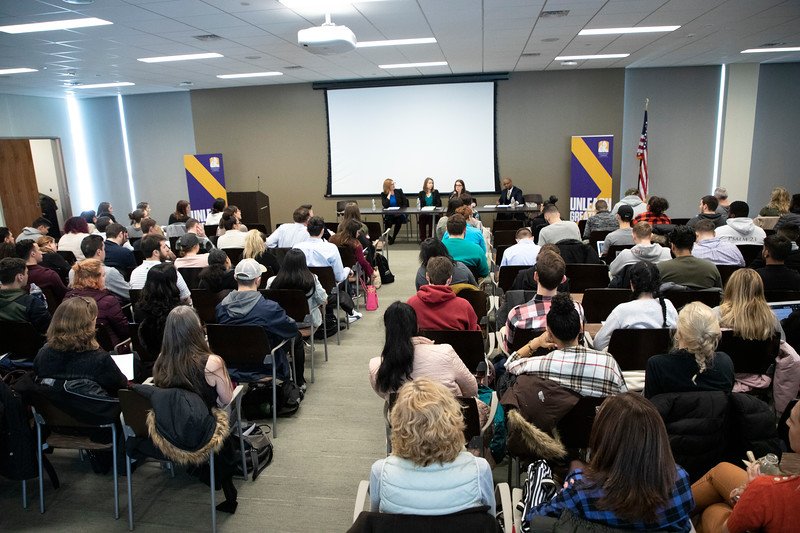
point(768, 45)
point(550, 40)
point(186, 84)
point(208, 37)
point(292, 67)
point(555, 13)
point(532, 54)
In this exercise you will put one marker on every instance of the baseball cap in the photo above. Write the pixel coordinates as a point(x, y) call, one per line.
point(188, 241)
point(248, 270)
point(625, 212)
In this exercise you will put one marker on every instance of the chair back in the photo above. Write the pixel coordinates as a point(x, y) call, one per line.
point(239, 345)
point(326, 278)
point(472, 419)
point(631, 348)
point(20, 339)
point(582, 225)
point(68, 256)
point(467, 344)
point(175, 231)
point(575, 427)
point(479, 301)
point(680, 221)
point(138, 347)
point(48, 413)
point(173, 243)
point(726, 271)
point(211, 229)
point(596, 236)
point(499, 252)
point(750, 252)
point(613, 250)
point(234, 254)
point(598, 303)
point(750, 356)
point(333, 227)
point(341, 204)
point(102, 334)
point(135, 295)
point(766, 223)
point(374, 229)
point(257, 225)
point(584, 276)
point(348, 256)
point(506, 225)
point(138, 256)
point(191, 275)
point(524, 336)
point(292, 301)
point(205, 303)
point(134, 408)
point(782, 296)
point(507, 275)
point(535, 198)
point(504, 237)
point(681, 298)
point(50, 298)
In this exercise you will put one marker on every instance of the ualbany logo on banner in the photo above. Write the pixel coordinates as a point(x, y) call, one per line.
point(592, 159)
point(205, 178)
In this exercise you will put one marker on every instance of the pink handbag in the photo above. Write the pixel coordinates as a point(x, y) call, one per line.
point(370, 296)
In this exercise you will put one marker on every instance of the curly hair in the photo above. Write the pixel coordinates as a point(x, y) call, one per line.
point(88, 275)
point(76, 225)
point(73, 326)
point(698, 332)
point(427, 424)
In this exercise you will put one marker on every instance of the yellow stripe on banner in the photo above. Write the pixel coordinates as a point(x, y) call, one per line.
point(593, 167)
point(203, 177)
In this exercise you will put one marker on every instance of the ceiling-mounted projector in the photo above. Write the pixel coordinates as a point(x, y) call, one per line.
point(327, 39)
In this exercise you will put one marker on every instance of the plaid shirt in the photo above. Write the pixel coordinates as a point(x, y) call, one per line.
point(648, 216)
point(587, 372)
point(582, 500)
point(531, 315)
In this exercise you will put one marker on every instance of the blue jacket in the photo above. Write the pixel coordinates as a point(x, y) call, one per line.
point(119, 257)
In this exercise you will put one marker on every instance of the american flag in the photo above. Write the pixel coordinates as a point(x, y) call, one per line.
point(641, 155)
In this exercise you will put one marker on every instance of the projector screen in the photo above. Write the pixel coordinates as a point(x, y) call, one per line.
point(407, 133)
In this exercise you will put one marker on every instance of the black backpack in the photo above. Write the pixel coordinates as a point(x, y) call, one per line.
point(257, 449)
point(383, 268)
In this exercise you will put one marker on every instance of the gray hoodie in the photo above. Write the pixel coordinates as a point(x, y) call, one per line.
point(652, 253)
point(741, 230)
point(29, 234)
point(239, 304)
point(634, 201)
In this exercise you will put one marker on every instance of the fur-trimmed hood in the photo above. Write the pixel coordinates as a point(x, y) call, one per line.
point(526, 440)
point(183, 457)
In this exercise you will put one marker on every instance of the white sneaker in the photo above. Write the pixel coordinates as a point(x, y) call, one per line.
point(352, 318)
point(357, 314)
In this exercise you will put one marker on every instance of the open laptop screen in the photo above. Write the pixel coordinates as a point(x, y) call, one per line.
point(784, 309)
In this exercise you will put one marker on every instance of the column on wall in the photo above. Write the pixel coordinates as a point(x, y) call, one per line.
point(737, 137)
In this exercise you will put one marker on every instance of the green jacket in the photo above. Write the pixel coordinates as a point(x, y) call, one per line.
point(18, 306)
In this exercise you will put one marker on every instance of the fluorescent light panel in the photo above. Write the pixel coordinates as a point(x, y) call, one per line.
point(767, 50)
point(184, 57)
point(126, 148)
point(321, 5)
point(395, 42)
point(415, 65)
point(638, 29)
point(718, 133)
point(52, 25)
point(105, 85)
point(83, 175)
point(17, 70)
point(595, 56)
point(248, 75)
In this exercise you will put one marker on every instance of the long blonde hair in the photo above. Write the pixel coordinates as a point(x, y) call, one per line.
point(698, 332)
point(744, 308)
point(779, 199)
point(73, 326)
point(386, 184)
point(253, 245)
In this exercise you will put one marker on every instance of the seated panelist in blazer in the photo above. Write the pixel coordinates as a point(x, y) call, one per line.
point(507, 196)
point(391, 197)
point(428, 197)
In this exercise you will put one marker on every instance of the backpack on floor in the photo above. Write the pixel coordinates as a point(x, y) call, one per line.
point(538, 488)
point(383, 267)
point(258, 450)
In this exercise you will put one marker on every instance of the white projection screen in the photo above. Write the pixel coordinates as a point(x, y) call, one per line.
point(445, 131)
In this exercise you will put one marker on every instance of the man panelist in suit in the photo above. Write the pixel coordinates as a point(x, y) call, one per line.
point(509, 195)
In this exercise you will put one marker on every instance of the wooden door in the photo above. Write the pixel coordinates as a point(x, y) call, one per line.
point(18, 191)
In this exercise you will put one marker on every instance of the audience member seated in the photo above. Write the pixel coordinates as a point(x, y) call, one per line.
point(778, 203)
point(247, 307)
point(431, 248)
point(712, 248)
point(89, 281)
point(149, 227)
point(159, 296)
point(793, 216)
point(51, 258)
point(693, 365)
point(42, 277)
point(525, 279)
point(428, 197)
point(352, 212)
point(6, 235)
point(406, 357)
point(134, 230)
point(90, 217)
point(463, 250)
point(724, 205)
point(557, 230)
point(233, 236)
point(588, 372)
point(190, 248)
point(466, 211)
point(181, 214)
point(16, 305)
point(231, 212)
point(548, 275)
point(117, 254)
point(348, 236)
point(574, 252)
point(437, 306)
point(655, 214)
point(738, 228)
point(735, 500)
point(39, 227)
point(216, 212)
point(105, 209)
point(632, 200)
point(603, 220)
point(472, 233)
point(93, 248)
point(686, 270)
point(631, 481)
point(101, 226)
point(391, 197)
point(441, 224)
point(75, 229)
point(218, 275)
point(791, 232)
point(155, 252)
point(289, 235)
point(321, 253)
point(643, 250)
point(775, 274)
point(194, 227)
point(255, 248)
point(429, 472)
point(623, 235)
point(647, 310)
point(8, 249)
point(524, 252)
point(708, 211)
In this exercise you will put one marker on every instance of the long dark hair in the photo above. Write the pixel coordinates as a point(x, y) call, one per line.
point(294, 273)
point(347, 234)
point(181, 210)
point(432, 248)
point(645, 278)
point(631, 458)
point(397, 357)
point(452, 205)
point(184, 352)
point(160, 293)
point(215, 271)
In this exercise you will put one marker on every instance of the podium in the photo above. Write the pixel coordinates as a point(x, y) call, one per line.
point(254, 206)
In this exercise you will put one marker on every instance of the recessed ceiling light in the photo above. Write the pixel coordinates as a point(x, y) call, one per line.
point(17, 70)
point(105, 85)
point(594, 56)
point(415, 65)
point(184, 57)
point(767, 50)
point(321, 5)
point(636, 29)
point(248, 75)
point(79, 2)
point(395, 42)
point(569, 63)
point(55, 25)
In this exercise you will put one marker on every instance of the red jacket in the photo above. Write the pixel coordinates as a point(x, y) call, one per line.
point(43, 277)
point(438, 307)
point(109, 311)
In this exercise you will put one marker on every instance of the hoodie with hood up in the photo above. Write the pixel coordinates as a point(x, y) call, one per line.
point(438, 307)
point(634, 201)
point(741, 230)
point(652, 253)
